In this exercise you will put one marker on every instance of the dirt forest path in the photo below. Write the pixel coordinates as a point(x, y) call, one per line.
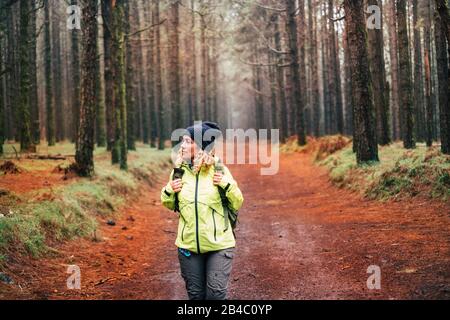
point(299, 238)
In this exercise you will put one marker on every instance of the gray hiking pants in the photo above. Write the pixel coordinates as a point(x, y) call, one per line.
point(206, 275)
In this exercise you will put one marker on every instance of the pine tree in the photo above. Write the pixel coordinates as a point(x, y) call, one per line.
point(86, 137)
point(365, 139)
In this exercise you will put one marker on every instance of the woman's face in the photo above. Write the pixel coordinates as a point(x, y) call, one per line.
point(188, 148)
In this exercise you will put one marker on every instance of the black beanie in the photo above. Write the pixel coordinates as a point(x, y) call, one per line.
point(203, 127)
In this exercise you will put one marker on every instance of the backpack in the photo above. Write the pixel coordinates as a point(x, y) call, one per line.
point(230, 215)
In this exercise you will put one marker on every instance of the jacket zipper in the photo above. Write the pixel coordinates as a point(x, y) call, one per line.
point(215, 229)
point(196, 214)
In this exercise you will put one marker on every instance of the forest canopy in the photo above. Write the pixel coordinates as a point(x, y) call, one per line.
point(112, 72)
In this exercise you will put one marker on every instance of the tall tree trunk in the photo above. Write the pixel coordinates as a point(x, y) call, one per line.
point(86, 139)
point(302, 60)
point(76, 79)
point(273, 91)
point(405, 84)
point(377, 65)
point(429, 114)
point(393, 52)
point(119, 150)
point(129, 54)
point(175, 97)
point(325, 74)
point(204, 67)
point(313, 56)
point(214, 79)
point(257, 86)
point(57, 73)
point(35, 124)
point(442, 41)
point(158, 80)
point(151, 82)
point(2, 90)
point(337, 121)
point(12, 84)
point(24, 104)
point(365, 138)
point(348, 87)
point(280, 83)
point(108, 73)
point(143, 101)
point(48, 78)
point(418, 76)
point(291, 28)
point(100, 130)
point(193, 74)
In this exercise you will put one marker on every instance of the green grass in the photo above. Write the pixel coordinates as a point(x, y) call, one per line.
point(400, 173)
point(30, 225)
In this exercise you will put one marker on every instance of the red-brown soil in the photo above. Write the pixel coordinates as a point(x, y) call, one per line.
point(299, 238)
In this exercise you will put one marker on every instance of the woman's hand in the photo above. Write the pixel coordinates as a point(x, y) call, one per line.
point(217, 178)
point(176, 185)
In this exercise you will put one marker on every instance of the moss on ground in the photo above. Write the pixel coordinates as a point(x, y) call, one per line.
point(30, 223)
point(400, 173)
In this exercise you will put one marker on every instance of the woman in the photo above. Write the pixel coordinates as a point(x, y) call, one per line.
point(205, 242)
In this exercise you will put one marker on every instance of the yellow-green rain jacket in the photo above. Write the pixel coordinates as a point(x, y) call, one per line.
point(201, 225)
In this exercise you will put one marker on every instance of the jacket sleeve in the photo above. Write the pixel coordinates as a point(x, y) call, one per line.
point(232, 190)
point(168, 195)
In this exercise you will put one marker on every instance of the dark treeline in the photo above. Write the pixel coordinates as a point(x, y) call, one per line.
point(137, 69)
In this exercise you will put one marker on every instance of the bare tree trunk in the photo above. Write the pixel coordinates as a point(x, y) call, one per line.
point(193, 72)
point(119, 150)
point(442, 25)
point(151, 82)
point(325, 74)
point(12, 79)
point(76, 79)
point(393, 51)
point(204, 68)
point(337, 120)
point(109, 81)
point(348, 87)
point(48, 78)
point(86, 139)
point(406, 93)
point(429, 115)
point(174, 69)
point(35, 123)
point(291, 28)
point(365, 139)
point(57, 73)
point(100, 130)
point(2, 87)
point(129, 78)
point(313, 56)
point(158, 80)
point(418, 76)
point(302, 57)
point(377, 63)
point(280, 83)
